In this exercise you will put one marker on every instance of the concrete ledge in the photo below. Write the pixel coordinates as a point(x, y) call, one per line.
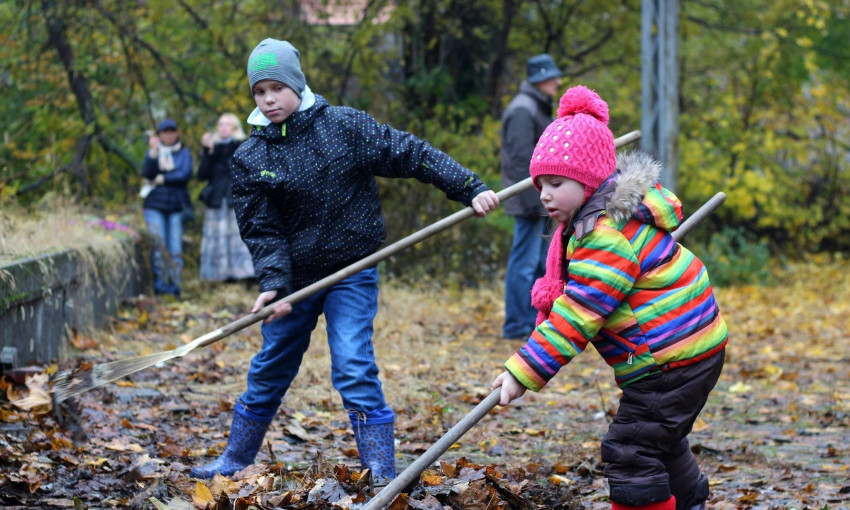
point(44, 299)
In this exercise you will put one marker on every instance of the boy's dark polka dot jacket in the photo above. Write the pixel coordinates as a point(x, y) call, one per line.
point(305, 193)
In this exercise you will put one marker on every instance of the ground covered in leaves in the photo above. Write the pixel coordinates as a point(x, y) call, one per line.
point(774, 434)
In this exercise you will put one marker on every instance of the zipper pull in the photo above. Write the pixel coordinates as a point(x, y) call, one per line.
point(629, 361)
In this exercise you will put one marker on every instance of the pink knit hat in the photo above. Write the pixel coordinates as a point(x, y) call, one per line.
point(578, 144)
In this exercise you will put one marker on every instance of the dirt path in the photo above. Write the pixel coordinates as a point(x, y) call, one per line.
point(774, 434)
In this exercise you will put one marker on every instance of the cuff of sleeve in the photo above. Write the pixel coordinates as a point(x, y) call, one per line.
point(278, 283)
point(481, 188)
point(524, 373)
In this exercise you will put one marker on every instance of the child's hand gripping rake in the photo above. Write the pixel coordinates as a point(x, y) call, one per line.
point(412, 472)
point(67, 384)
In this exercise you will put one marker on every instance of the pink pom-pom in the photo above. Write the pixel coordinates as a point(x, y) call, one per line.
point(580, 99)
point(544, 292)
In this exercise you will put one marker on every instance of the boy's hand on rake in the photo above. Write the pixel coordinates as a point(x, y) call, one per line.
point(485, 202)
point(511, 388)
point(279, 309)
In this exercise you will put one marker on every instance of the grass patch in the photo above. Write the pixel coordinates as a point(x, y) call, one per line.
point(56, 225)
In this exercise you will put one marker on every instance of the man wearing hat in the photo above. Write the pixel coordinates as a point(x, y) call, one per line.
point(524, 120)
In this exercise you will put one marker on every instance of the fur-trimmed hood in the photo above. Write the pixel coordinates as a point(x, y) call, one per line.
point(632, 192)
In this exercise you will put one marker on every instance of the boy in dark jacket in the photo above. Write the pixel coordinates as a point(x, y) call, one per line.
point(307, 204)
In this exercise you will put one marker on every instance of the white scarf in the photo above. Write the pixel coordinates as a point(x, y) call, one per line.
point(164, 155)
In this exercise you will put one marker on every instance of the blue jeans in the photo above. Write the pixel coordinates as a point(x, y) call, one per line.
point(526, 263)
point(349, 307)
point(167, 229)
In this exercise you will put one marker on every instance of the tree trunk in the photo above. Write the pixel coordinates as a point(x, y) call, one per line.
point(498, 67)
point(56, 31)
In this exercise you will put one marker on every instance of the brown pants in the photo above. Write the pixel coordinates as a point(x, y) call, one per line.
point(646, 452)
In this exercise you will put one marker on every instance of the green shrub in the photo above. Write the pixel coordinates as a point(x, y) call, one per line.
point(733, 256)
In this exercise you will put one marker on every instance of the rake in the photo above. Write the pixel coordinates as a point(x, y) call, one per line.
point(68, 383)
point(412, 472)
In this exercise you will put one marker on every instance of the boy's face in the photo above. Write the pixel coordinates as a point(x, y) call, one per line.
point(560, 196)
point(276, 100)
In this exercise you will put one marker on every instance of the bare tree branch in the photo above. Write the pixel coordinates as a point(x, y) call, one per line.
point(605, 37)
point(722, 27)
point(75, 165)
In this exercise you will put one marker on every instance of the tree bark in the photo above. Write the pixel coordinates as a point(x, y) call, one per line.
point(79, 86)
point(498, 67)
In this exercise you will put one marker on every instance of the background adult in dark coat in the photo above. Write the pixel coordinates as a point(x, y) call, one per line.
point(224, 256)
point(523, 121)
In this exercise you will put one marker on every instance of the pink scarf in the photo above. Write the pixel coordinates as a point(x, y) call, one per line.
point(551, 285)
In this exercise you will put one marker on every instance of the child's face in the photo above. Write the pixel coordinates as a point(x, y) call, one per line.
point(276, 100)
point(560, 196)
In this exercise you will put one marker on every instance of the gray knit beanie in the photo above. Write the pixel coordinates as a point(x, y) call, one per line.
point(276, 60)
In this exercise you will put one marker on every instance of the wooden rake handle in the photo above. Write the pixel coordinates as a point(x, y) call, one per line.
point(412, 472)
point(367, 262)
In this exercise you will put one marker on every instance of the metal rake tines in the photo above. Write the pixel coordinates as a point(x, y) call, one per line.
point(68, 383)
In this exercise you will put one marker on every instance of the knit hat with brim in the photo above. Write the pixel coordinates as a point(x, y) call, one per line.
point(276, 60)
point(541, 68)
point(578, 144)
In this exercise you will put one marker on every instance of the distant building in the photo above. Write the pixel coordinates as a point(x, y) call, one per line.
point(341, 12)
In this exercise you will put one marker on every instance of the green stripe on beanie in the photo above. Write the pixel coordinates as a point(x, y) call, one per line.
point(276, 60)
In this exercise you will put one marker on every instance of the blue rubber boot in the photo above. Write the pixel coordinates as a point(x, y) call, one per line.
point(376, 444)
point(246, 437)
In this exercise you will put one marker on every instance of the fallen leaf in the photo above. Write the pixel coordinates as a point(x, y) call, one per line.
point(202, 497)
point(38, 400)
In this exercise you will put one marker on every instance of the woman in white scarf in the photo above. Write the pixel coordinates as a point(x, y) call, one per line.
point(166, 170)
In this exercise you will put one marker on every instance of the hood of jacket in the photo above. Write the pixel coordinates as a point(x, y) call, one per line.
point(633, 191)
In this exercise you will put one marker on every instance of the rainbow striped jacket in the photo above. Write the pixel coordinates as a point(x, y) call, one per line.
point(643, 300)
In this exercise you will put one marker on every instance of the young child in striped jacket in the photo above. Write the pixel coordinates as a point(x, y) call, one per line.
point(616, 277)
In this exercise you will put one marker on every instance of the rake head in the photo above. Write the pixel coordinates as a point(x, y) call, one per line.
point(68, 383)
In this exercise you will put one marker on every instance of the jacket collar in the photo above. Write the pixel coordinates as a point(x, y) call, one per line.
point(535, 93)
point(586, 218)
point(622, 193)
point(296, 122)
point(308, 99)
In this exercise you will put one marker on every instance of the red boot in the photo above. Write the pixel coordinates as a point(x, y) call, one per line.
point(670, 504)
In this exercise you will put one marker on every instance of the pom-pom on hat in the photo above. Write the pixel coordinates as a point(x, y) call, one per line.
point(578, 144)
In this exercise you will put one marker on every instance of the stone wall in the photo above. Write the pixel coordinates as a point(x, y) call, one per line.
point(44, 299)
